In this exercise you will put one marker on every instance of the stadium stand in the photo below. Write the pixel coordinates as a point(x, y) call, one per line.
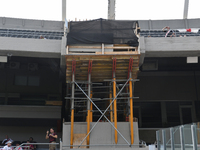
point(16, 33)
point(160, 33)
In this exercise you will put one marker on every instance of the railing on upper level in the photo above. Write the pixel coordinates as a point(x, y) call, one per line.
point(160, 33)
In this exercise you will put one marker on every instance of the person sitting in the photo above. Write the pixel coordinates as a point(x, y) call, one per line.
point(32, 141)
point(18, 147)
point(169, 32)
point(8, 146)
point(6, 140)
point(29, 146)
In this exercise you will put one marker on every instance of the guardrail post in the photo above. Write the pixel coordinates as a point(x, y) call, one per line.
point(172, 138)
point(60, 144)
point(194, 136)
point(158, 139)
point(182, 140)
point(164, 139)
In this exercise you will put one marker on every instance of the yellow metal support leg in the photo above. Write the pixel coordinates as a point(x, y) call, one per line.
point(115, 109)
point(131, 110)
point(72, 128)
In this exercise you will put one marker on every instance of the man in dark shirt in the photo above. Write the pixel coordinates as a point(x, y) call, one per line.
point(52, 136)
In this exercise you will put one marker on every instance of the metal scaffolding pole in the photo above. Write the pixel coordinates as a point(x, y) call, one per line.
point(91, 108)
point(115, 100)
point(131, 107)
point(131, 99)
point(72, 102)
point(103, 113)
point(88, 109)
point(111, 106)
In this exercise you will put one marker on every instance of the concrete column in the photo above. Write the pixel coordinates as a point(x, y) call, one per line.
point(185, 12)
point(111, 9)
point(63, 10)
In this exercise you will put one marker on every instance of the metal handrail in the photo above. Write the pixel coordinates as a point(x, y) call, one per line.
point(174, 30)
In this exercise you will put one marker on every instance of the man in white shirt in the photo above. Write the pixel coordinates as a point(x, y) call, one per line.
point(8, 146)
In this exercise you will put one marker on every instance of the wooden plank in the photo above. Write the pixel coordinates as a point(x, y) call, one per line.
point(118, 53)
point(100, 47)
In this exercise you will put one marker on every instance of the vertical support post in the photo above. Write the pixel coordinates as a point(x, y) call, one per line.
point(91, 108)
point(115, 106)
point(185, 11)
point(61, 145)
point(172, 138)
point(164, 139)
point(72, 103)
point(131, 107)
point(158, 139)
point(63, 10)
point(115, 101)
point(111, 106)
point(88, 109)
point(182, 140)
point(88, 102)
point(194, 137)
point(130, 98)
point(102, 48)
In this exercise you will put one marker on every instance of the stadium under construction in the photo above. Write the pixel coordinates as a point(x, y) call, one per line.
point(102, 84)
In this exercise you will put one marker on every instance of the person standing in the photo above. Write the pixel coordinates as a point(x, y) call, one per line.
point(8, 146)
point(52, 136)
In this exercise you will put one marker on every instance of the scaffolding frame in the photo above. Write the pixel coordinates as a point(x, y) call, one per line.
point(112, 107)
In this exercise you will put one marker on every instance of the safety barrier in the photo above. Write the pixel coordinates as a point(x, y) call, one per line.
point(182, 137)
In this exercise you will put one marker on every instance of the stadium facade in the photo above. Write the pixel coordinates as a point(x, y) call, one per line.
point(33, 78)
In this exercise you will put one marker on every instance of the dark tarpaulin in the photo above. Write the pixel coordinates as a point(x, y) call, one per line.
point(102, 31)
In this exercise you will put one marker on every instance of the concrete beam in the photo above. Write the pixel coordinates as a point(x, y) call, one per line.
point(46, 112)
point(30, 47)
point(171, 47)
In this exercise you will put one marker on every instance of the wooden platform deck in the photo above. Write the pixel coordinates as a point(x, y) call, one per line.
point(102, 65)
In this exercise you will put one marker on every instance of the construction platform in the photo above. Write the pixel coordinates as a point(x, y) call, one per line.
point(101, 52)
point(102, 63)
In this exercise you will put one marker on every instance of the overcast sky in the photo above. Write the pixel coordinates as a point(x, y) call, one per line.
point(93, 9)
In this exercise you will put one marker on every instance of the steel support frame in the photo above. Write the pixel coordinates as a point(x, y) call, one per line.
point(194, 136)
point(164, 139)
point(172, 138)
point(89, 104)
point(72, 102)
point(115, 100)
point(158, 139)
point(131, 99)
point(103, 113)
point(182, 138)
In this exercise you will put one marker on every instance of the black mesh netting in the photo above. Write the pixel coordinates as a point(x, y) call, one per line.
point(102, 31)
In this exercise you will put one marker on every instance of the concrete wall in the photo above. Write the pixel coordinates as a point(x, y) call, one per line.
point(30, 24)
point(103, 133)
point(30, 47)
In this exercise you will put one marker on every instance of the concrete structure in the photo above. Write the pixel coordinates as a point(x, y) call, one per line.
point(34, 74)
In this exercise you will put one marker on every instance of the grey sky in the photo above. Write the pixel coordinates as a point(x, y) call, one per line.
point(93, 9)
